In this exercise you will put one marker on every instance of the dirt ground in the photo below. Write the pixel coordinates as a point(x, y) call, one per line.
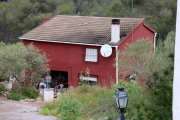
point(15, 110)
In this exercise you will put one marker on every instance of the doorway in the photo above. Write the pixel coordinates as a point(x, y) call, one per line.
point(59, 77)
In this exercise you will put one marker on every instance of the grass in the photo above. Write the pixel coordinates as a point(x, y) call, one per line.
point(95, 102)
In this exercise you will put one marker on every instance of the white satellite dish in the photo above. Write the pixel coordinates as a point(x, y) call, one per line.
point(106, 50)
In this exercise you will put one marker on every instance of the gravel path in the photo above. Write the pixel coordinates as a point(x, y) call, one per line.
point(14, 110)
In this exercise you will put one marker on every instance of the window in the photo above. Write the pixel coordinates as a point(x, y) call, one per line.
point(91, 55)
point(91, 79)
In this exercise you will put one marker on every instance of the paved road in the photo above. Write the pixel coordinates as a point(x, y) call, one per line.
point(14, 110)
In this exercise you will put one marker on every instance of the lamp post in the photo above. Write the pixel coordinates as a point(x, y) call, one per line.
point(48, 80)
point(121, 100)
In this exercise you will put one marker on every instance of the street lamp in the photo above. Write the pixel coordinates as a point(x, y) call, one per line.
point(48, 80)
point(121, 100)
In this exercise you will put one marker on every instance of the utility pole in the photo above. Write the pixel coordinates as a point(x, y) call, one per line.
point(176, 81)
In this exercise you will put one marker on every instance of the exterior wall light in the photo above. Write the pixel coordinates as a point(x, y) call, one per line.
point(121, 100)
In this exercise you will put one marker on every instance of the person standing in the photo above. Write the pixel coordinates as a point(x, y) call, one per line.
point(48, 80)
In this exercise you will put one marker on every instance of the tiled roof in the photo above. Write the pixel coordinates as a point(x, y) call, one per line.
point(80, 29)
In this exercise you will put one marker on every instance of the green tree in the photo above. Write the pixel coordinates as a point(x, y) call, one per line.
point(161, 104)
point(6, 21)
point(11, 18)
point(118, 9)
point(66, 7)
point(20, 16)
point(156, 69)
point(136, 3)
point(162, 21)
point(160, 14)
point(91, 7)
point(139, 58)
point(136, 58)
point(25, 64)
point(37, 64)
point(162, 58)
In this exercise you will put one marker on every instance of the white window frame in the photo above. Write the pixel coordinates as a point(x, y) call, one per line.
point(91, 55)
point(89, 78)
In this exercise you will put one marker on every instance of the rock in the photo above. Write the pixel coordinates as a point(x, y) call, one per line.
point(21, 100)
point(32, 100)
point(71, 87)
point(37, 111)
point(39, 99)
point(26, 100)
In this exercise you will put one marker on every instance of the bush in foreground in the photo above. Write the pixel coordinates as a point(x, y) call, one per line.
point(28, 92)
point(2, 88)
point(98, 102)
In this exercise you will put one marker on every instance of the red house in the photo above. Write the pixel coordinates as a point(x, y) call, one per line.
point(73, 43)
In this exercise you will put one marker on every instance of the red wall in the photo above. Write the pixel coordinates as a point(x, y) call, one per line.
point(68, 57)
point(139, 32)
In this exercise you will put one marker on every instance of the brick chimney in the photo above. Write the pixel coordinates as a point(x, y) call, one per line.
point(45, 20)
point(115, 30)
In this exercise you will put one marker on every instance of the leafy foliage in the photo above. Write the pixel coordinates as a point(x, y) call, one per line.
point(139, 58)
point(16, 59)
point(37, 64)
point(162, 21)
point(12, 60)
point(136, 58)
point(159, 77)
point(118, 9)
point(70, 107)
point(3, 78)
point(2, 88)
point(28, 92)
point(99, 103)
point(20, 16)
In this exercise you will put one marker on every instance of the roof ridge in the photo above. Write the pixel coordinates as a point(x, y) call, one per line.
point(97, 17)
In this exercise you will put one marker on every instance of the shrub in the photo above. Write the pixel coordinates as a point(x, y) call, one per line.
point(3, 78)
point(2, 88)
point(77, 104)
point(14, 96)
point(98, 103)
point(46, 111)
point(28, 92)
point(70, 107)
